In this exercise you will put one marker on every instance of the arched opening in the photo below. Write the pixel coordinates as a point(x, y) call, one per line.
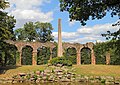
point(26, 58)
point(54, 52)
point(43, 55)
point(11, 55)
point(85, 56)
point(71, 54)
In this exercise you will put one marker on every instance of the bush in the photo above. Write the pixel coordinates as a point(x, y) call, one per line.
point(61, 60)
point(72, 59)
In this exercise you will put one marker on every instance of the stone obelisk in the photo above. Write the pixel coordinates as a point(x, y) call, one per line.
point(59, 38)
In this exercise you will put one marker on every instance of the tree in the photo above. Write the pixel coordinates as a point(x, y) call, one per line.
point(44, 32)
point(20, 34)
point(109, 46)
point(3, 4)
point(114, 35)
point(7, 23)
point(35, 31)
point(30, 32)
point(83, 10)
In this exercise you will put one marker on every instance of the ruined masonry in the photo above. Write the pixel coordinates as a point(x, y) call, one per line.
point(61, 48)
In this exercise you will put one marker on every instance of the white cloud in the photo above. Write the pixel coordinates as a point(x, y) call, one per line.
point(29, 10)
point(87, 34)
point(71, 23)
point(97, 29)
point(66, 35)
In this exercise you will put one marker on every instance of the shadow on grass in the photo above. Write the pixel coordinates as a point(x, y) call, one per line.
point(5, 68)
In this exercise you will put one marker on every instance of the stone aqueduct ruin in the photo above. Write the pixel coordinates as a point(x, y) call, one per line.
point(35, 45)
point(61, 48)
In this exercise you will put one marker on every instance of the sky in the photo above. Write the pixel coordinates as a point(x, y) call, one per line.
point(49, 11)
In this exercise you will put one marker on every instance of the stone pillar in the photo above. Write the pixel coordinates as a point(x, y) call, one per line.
point(78, 58)
point(59, 39)
point(18, 60)
point(107, 58)
point(50, 53)
point(34, 58)
point(93, 60)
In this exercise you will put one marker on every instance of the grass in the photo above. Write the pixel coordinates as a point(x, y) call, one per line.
point(88, 70)
point(11, 71)
point(98, 70)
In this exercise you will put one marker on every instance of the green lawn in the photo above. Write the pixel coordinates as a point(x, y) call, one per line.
point(100, 70)
point(10, 71)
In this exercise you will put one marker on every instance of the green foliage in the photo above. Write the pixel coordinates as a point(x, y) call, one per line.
point(44, 33)
point(4, 4)
point(112, 47)
point(27, 55)
point(35, 31)
point(85, 56)
point(61, 60)
point(43, 55)
point(70, 54)
point(7, 54)
point(54, 52)
point(72, 59)
point(83, 10)
point(7, 23)
point(100, 53)
point(103, 80)
point(114, 35)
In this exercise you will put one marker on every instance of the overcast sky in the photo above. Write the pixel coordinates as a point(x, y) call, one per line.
point(49, 11)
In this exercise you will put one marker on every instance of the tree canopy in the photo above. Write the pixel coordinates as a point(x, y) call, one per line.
point(83, 10)
point(35, 31)
point(114, 35)
point(7, 23)
point(3, 4)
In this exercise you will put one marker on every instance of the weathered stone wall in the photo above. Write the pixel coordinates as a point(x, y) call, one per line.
point(36, 45)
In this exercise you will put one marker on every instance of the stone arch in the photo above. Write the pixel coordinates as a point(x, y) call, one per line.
point(26, 57)
point(85, 55)
point(71, 54)
point(34, 45)
point(43, 54)
point(11, 57)
point(53, 52)
point(71, 47)
point(68, 45)
point(51, 45)
point(89, 45)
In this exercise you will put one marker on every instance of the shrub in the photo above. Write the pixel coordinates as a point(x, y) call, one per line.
point(72, 59)
point(61, 60)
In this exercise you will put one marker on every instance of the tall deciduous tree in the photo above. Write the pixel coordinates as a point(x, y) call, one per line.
point(44, 32)
point(83, 10)
point(35, 31)
point(7, 23)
